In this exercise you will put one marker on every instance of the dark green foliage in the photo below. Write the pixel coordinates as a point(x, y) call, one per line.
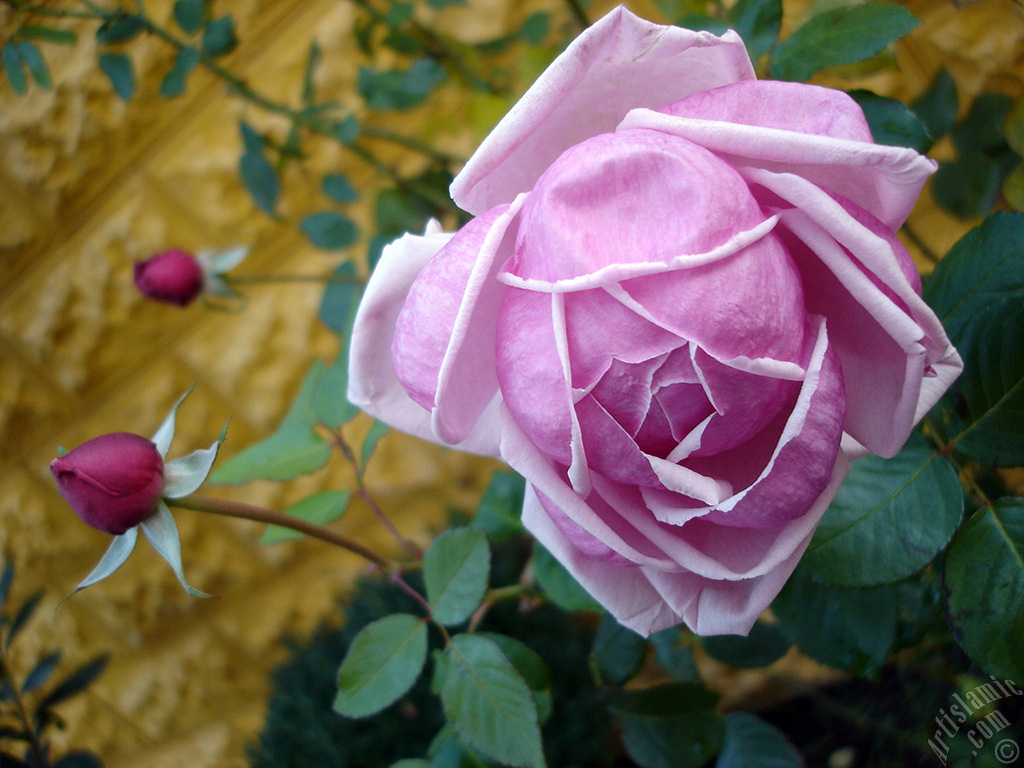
point(302, 731)
point(28, 697)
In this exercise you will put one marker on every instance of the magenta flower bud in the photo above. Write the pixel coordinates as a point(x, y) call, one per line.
point(173, 277)
point(113, 482)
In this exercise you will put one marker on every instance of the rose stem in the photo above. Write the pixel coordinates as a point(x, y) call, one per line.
point(240, 279)
point(228, 508)
point(411, 547)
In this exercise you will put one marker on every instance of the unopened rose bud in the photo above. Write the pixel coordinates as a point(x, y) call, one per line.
point(173, 277)
point(113, 482)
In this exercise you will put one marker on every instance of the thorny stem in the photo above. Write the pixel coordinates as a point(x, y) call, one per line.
point(409, 546)
point(35, 748)
point(229, 508)
point(493, 596)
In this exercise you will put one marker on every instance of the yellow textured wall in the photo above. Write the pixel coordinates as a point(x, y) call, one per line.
point(87, 185)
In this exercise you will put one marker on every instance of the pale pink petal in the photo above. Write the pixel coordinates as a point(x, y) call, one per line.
point(619, 63)
point(896, 357)
point(748, 305)
point(786, 106)
point(626, 593)
point(883, 180)
point(628, 198)
point(443, 349)
point(373, 385)
point(602, 522)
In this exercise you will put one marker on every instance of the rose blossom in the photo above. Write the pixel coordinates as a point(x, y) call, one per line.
point(680, 310)
point(113, 482)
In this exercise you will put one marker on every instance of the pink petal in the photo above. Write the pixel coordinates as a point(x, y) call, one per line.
point(626, 593)
point(443, 347)
point(749, 304)
point(629, 198)
point(619, 63)
point(896, 357)
point(373, 385)
point(883, 180)
point(808, 109)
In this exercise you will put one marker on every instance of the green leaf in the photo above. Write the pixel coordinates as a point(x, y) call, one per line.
point(489, 704)
point(35, 63)
point(531, 666)
point(400, 89)
point(1013, 188)
point(673, 652)
point(120, 29)
point(967, 186)
point(348, 130)
point(411, 762)
point(758, 23)
point(977, 291)
point(892, 122)
point(535, 28)
point(338, 188)
point(501, 506)
point(558, 583)
point(320, 508)
point(669, 726)
point(78, 759)
point(21, 618)
point(398, 14)
point(252, 141)
point(937, 107)
point(981, 130)
point(985, 580)
point(41, 672)
point(841, 35)
point(765, 645)
point(330, 403)
point(49, 34)
point(74, 683)
point(382, 663)
point(338, 306)
point(173, 83)
point(189, 15)
point(260, 179)
point(6, 579)
point(329, 230)
point(377, 430)
point(118, 68)
point(293, 450)
point(849, 629)
point(618, 651)
point(889, 519)
point(750, 742)
point(219, 36)
point(1013, 127)
point(14, 67)
point(455, 571)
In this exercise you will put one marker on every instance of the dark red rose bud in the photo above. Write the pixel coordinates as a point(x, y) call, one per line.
point(174, 277)
point(113, 482)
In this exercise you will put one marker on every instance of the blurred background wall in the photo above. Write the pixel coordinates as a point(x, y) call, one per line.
point(88, 184)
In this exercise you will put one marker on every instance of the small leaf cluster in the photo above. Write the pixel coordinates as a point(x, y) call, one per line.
point(28, 702)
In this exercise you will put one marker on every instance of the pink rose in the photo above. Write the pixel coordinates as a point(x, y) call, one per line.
point(113, 482)
point(679, 311)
